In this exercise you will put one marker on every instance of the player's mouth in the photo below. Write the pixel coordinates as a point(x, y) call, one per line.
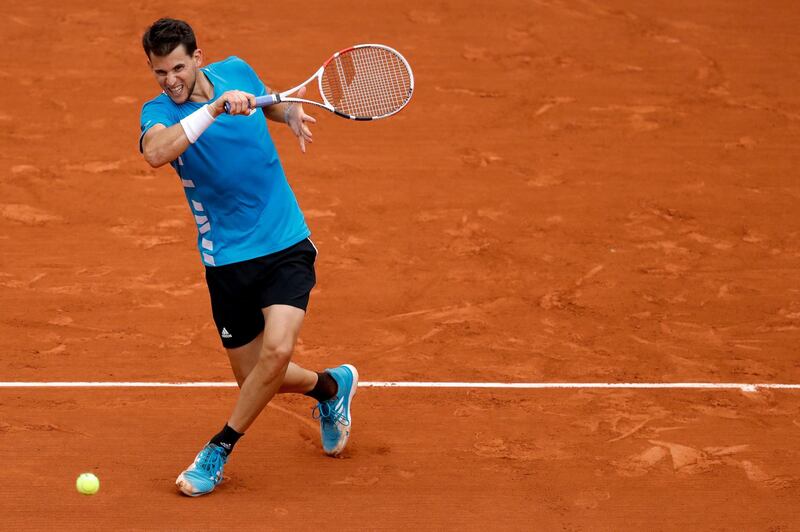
point(176, 92)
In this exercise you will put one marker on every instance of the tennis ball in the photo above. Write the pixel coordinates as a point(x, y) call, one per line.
point(87, 484)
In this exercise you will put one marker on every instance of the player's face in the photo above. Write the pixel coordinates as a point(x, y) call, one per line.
point(176, 73)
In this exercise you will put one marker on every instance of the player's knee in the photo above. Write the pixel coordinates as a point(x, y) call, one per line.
point(276, 354)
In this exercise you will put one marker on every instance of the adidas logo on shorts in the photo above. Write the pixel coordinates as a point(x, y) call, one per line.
point(225, 333)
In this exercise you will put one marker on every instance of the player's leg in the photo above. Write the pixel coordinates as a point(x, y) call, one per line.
point(333, 408)
point(243, 360)
point(240, 324)
point(254, 359)
point(290, 284)
point(260, 340)
point(282, 327)
point(260, 366)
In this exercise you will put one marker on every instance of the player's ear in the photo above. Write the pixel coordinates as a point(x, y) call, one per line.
point(198, 57)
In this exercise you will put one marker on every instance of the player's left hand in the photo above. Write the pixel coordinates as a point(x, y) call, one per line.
point(296, 119)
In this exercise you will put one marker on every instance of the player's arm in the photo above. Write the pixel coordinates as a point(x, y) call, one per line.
point(292, 114)
point(277, 112)
point(162, 144)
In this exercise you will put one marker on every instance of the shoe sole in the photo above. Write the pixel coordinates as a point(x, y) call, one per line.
point(186, 487)
point(339, 448)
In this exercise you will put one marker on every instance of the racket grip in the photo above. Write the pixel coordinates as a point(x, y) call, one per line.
point(267, 99)
point(261, 101)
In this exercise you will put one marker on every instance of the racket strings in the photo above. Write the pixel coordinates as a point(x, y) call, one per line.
point(388, 77)
point(367, 82)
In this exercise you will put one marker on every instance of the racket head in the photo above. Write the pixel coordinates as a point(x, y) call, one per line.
point(366, 82)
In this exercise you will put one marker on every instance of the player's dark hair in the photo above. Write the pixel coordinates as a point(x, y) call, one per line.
point(165, 35)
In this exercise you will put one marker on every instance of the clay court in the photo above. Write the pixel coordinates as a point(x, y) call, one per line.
point(580, 192)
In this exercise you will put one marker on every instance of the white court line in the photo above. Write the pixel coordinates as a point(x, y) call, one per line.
point(745, 387)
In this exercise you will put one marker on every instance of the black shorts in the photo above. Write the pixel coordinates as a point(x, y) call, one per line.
point(239, 291)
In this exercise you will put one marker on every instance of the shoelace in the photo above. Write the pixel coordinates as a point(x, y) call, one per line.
point(210, 460)
point(326, 413)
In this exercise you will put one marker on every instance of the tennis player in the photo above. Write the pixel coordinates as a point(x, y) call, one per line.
point(252, 237)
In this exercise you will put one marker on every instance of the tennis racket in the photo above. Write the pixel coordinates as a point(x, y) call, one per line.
point(363, 82)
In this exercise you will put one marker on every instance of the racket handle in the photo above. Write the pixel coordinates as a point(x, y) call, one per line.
point(261, 101)
point(267, 100)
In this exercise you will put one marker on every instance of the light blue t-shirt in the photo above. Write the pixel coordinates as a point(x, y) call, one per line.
point(237, 191)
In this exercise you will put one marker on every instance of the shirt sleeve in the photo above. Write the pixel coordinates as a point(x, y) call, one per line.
point(155, 112)
point(260, 88)
point(257, 87)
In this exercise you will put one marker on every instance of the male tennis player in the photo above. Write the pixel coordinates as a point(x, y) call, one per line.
point(252, 236)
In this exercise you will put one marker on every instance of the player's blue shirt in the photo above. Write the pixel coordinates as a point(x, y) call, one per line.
point(234, 182)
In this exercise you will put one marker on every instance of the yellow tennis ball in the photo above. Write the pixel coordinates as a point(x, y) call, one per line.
point(87, 484)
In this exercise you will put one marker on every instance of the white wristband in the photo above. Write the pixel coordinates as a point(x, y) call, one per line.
point(196, 123)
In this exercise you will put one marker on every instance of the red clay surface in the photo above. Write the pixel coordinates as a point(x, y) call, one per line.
point(579, 191)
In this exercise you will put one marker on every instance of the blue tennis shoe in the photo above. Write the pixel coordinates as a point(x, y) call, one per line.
point(205, 473)
point(334, 417)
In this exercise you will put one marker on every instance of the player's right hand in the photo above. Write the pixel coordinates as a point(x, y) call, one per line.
point(239, 103)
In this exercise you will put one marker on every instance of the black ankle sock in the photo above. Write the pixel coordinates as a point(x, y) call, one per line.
point(226, 439)
point(325, 388)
